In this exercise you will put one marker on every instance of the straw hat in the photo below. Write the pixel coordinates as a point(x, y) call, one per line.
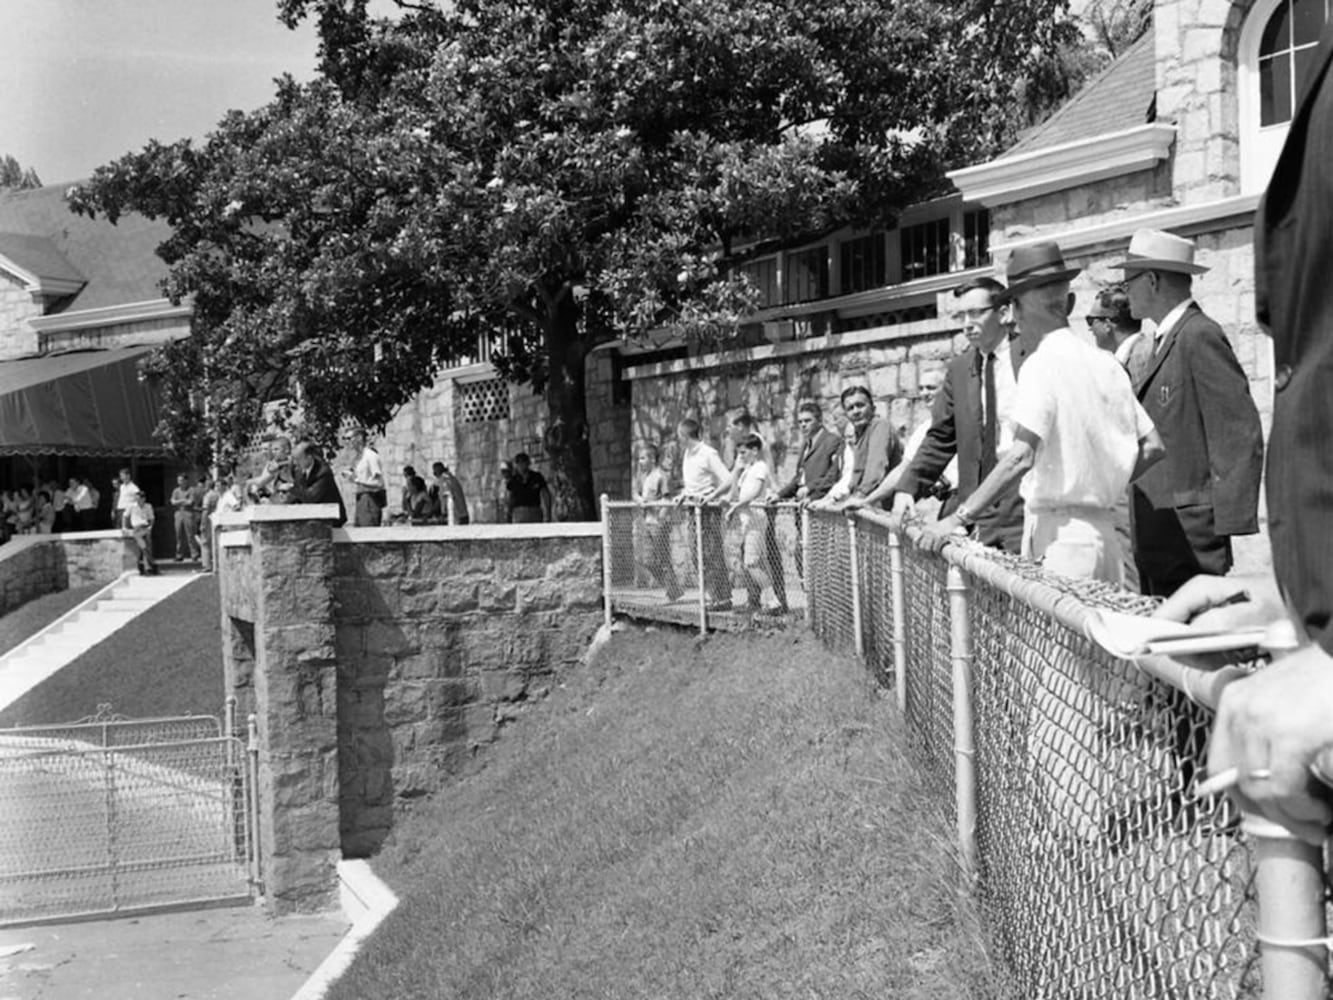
point(1154, 250)
point(1032, 266)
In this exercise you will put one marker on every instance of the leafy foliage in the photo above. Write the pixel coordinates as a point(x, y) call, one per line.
point(564, 171)
point(12, 175)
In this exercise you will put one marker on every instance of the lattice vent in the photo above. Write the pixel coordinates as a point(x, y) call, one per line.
point(479, 402)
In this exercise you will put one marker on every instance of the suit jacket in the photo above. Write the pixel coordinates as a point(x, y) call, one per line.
point(821, 461)
point(1294, 296)
point(1199, 399)
point(955, 429)
point(317, 486)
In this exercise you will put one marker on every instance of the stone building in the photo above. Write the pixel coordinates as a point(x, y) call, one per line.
point(1179, 133)
point(80, 306)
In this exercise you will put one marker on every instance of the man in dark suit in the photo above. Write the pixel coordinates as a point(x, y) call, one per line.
point(313, 481)
point(1271, 726)
point(963, 425)
point(819, 464)
point(1188, 506)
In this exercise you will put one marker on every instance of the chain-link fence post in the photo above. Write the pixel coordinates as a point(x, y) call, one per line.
point(252, 755)
point(899, 619)
point(1289, 882)
point(699, 568)
point(804, 515)
point(965, 785)
point(112, 848)
point(606, 561)
point(854, 561)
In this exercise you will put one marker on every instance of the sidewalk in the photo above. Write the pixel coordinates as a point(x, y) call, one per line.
point(200, 955)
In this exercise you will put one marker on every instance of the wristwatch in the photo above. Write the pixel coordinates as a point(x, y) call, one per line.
point(965, 517)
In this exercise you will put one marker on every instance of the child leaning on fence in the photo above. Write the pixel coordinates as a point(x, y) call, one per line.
point(751, 486)
point(650, 487)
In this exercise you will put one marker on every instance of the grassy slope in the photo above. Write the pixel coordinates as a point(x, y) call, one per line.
point(732, 820)
point(27, 620)
point(168, 661)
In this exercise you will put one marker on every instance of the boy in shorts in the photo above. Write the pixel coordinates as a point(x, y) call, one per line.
point(751, 486)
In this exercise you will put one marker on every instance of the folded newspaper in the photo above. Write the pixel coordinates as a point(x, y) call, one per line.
point(1128, 636)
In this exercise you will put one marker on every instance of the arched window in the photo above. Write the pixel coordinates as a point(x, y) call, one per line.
point(1277, 47)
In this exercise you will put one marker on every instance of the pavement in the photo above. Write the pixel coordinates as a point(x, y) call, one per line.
point(231, 953)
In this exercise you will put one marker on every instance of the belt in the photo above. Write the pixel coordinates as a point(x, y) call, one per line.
point(1072, 510)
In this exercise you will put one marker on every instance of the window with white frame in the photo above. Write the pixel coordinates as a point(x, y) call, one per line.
point(807, 274)
point(1277, 47)
point(763, 274)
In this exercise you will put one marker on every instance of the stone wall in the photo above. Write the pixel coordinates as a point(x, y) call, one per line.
point(16, 308)
point(440, 642)
point(890, 361)
point(380, 661)
point(428, 429)
point(146, 331)
point(34, 565)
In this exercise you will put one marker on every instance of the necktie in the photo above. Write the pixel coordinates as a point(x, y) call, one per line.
point(988, 418)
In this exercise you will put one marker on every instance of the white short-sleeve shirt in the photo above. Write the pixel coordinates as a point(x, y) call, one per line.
point(1078, 400)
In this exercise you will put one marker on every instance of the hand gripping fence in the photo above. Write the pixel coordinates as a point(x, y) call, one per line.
point(1073, 772)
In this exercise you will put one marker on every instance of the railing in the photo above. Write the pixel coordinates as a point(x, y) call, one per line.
point(693, 564)
point(1072, 773)
point(114, 815)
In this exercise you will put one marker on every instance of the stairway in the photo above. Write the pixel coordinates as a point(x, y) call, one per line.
point(79, 630)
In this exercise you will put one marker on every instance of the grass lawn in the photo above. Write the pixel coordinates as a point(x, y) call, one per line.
point(735, 819)
point(28, 619)
point(168, 661)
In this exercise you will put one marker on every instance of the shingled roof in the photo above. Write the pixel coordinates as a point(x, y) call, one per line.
point(117, 264)
point(1122, 96)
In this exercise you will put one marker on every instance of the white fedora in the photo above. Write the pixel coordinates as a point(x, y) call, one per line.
point(1154, 250)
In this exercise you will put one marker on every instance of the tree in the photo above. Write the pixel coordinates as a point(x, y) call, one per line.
point(566, 171)
point(1118, 24)
point(12, 175)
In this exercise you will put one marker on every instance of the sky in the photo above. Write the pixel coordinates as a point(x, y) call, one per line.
point(85, 81)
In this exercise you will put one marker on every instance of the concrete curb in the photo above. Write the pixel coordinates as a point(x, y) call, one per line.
point(365, 901)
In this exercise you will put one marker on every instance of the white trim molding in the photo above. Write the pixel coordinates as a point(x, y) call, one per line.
point(129, 312)
point(1026, 175)
point(1187, 220)
point(37, 286)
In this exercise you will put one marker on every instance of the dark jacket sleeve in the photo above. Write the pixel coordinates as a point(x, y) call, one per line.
point(1232, 433)
point(824, 468)
point(938, 447)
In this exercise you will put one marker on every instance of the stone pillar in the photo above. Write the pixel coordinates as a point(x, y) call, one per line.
point(295, 698)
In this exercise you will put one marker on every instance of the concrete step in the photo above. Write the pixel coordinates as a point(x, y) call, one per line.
point(73, 634)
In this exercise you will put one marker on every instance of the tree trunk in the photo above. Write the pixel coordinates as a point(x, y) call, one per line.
point(567, 445)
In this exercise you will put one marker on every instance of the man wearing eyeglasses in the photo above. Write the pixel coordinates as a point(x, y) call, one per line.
point(970, 419)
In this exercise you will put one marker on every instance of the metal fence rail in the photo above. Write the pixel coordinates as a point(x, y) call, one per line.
point(693, 564)
point(1073, 771)
point(90, 828)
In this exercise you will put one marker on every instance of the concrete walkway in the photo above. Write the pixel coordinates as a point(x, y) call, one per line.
point(235, 953)
point(73, 634)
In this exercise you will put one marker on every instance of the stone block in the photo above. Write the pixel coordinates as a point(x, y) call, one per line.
point(479, 723)
point(357, 598)
point(541, 595)
point(391, 638)
point(502, 685)
point(405, 702)
point(496, 596)
point(582, 594)
point(348, 642)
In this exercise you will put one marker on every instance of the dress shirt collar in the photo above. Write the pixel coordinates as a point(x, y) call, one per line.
point(1170, 320)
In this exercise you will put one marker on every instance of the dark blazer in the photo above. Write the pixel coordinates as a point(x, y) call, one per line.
point(1207, 486)
point(1293, 255)
point(955, 429)
point(821, 461)
point(318, 486)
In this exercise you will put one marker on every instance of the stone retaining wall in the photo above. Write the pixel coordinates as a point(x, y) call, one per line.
point(381, 661)
point(35, 565)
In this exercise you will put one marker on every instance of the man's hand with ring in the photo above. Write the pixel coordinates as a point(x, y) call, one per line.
point(1270, 727)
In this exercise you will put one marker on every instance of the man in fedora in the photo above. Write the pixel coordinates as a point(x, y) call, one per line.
point(1207, 489)
point(1079, 435)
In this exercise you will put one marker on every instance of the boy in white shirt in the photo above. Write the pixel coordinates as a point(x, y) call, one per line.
point(139, 517)
point(752, 485)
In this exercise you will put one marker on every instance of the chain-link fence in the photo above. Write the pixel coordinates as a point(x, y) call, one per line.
point(706, 564)
point(1074, 772)
point(121, 815)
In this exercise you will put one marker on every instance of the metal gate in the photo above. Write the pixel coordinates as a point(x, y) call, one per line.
point(112, 815)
